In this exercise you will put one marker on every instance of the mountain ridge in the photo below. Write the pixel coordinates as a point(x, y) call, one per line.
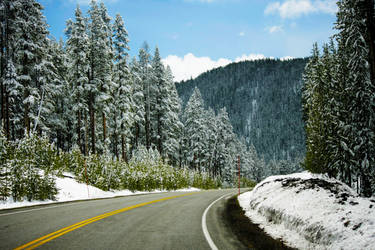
point(263, 100)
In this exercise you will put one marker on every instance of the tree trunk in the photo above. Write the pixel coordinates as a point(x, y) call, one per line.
point(26, 117)
point(160, 148)
point(2, 118)
point(7, 118)
point(115, 139)
point(147, 130)
point(92, 122)
point(79, 139)
point(86, 151)
point(123, 149)
point(365, 186)
point(3, 50)
point(137, 128)
point(104, 129)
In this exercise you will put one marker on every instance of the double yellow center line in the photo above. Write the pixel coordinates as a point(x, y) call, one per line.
point(42, 240)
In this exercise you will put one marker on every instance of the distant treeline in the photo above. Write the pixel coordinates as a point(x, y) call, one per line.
point(263, 101)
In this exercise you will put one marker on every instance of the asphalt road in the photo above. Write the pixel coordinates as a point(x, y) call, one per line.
point(155, 221)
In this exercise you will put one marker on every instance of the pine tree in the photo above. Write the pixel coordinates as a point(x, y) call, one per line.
point(77, 50)
point(123, 105)
point(8, 30)
point(172, 126)
point(105, 72)
point(57, 115)
point(12, 93)
point(338, 106)
point(226, 151)
point(138, 101)
point(159, 94)
point(212, 142)
point(194, 130)
point(100, 81)
point(144, 75)
point(359, 131)
point(314, 114)
point(30, 52)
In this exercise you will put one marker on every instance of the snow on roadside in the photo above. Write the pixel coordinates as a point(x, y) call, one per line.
point(309, 211)
point(71, 190)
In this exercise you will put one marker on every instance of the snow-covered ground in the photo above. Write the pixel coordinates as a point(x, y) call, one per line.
point(70, 190)
point(309, 211)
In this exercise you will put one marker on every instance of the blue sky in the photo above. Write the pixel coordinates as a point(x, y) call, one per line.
point(196, 35)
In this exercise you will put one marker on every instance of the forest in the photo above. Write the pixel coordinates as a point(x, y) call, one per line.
point(263, 101)
point(338, 100)
point(84, 106)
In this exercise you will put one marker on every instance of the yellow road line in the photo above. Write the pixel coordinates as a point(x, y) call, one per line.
point(42, 240)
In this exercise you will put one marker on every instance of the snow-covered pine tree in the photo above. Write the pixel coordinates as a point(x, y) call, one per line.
point(172, 126)
point(57, 115)
point(256, 169)
point(338, 100)
point(164, 118)
point(7, 36)
point(138, 101)
point(159, 93)
point(226, 149)
point(50, 86)
point(106, 70)
point(77, 47)
point(29, 56)
point(12, 90)
point(353, 20)
point(194, 130)
point(100, 81)
point(144, 75)
point(122, 110)
point(315, 101)
point(211, 138)
point(4, 169)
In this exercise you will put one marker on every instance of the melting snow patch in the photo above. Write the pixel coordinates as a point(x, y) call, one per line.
point(310, 211)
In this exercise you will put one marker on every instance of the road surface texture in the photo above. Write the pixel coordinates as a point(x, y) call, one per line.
point(174, 220)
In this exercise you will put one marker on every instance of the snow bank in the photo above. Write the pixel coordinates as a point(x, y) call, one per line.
point(70, 190)
point(310, 211)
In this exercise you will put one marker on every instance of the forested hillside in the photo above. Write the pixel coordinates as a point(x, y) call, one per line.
point(263, 100)
point(84, 106)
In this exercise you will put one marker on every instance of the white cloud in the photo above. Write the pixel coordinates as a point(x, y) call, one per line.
point(191, 66)
point(297, 8)
point(286, 58)
point(241, 33)
point(327, 6)
point(275, 29)
point(250, 57)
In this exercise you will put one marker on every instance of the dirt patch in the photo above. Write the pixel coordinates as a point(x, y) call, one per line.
point(249, 233)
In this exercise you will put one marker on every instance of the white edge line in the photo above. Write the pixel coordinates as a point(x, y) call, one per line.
point(204, 225)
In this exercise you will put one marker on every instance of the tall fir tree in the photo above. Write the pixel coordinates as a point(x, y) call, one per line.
point(122, 115)
point(78, 55)
point(29, 55)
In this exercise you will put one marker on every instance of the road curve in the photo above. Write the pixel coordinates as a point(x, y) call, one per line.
point(170, 220)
